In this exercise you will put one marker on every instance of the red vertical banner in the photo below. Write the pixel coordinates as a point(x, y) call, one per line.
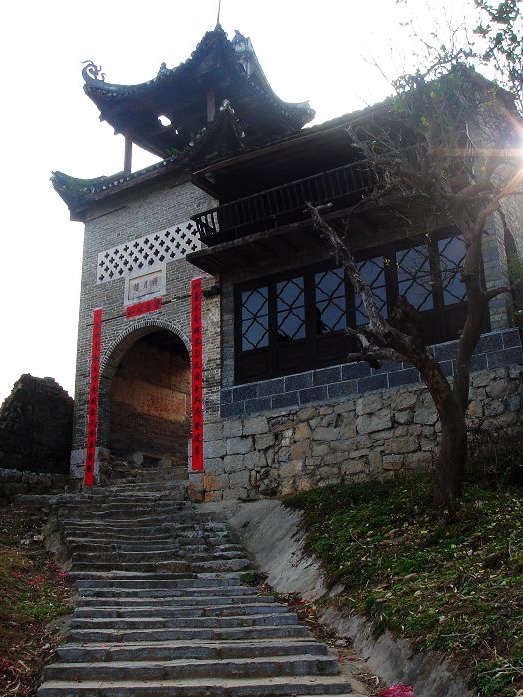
point(94, 388)
point(196, 375)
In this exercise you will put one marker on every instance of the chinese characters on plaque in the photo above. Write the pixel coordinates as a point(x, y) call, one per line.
point(196, 375)
point(150, 283)
point(92, 409)
point(143, 308)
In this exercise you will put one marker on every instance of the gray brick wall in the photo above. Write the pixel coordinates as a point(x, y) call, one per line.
point(110, 224)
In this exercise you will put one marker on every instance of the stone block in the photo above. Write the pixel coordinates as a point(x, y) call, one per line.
point(214, 466)
point(298, 382)
point(286, 400)
point(320, 449)
point(307, 414)
point(402, 445)
point(403, 417)
point(325, 433)
point(239, 445)
point(352, 371)
point(393, 462)
point(292, 468)
point(213, 482)
point(325, 376)
point(369, 405)
point(426, 415)
point(232, 428)
point(475, 409)
point(496, 359)
point(313, 394)
point(233, 463)
point(409, 376)
point(419, 460)
point(257, 405)
point(374, 382)
point(403, 399)
point(239, 479)
point(494, 408)
point(263, 440)
point(342, 389)
point(300, 449)
point(255, 425)
point(270, 387)
point(254, 459)
point(302, 431)
point(213, 431)
point(353, 467)
point(377, 421)
point(214, 448)
point(501, 388)
point(245, 392)
point(230, 410)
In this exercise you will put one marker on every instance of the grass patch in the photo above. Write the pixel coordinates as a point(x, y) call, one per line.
point(33, 593)
point(452, 588)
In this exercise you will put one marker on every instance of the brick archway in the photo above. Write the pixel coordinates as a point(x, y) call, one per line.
point(145, 392)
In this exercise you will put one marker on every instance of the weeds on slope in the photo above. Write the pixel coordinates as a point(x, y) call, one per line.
point(34, 594)
point(453, 588)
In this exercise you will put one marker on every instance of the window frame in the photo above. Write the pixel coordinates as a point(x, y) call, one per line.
point(439, 319)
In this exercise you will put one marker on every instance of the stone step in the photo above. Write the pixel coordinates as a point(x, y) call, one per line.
point(188, 593)
point(185, 633)
point(172, 650)
point(174, 601)
point(148, 554)
point(179, 669)
point(272, 619)
point(179, 611)
point(210, 687)
point(163, 582)
point(78, 545)
point(194, 567)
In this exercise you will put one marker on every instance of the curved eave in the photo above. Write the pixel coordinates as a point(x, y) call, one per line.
point(214, 46)
point(78, 194)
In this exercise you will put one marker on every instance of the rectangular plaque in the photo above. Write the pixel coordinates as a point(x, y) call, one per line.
point(152, 283)
point(143, 308)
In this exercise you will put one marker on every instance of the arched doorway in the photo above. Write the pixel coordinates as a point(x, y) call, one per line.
point(149, 400)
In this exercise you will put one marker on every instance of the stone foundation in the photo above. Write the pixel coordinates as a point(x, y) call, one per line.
point(14, 482)
point(373, 435)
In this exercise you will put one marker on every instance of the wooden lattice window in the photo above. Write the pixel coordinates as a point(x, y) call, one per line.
point(296, 321)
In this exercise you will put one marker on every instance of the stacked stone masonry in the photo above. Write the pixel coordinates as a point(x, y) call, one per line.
point(317, 439)
point(35, 426)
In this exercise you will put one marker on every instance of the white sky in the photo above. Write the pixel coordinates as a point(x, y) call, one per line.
point(308, 50)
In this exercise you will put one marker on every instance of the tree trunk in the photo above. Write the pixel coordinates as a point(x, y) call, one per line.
point(449, 471)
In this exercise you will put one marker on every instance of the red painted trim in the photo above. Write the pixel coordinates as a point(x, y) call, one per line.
point(92, 411)
point(196, 375)
point(143, 308)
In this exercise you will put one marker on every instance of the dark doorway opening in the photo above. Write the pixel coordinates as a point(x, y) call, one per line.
point(150, 401)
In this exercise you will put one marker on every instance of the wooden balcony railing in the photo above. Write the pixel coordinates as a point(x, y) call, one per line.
point(343, 187)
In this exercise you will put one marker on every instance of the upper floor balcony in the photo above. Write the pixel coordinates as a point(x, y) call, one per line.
point(343, 187)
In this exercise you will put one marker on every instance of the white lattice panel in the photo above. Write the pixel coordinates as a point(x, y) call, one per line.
point(148, 253)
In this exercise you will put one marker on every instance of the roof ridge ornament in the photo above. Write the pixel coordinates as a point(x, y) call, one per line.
point(91, 71)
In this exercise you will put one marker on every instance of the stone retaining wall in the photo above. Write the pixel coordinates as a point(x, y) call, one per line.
point(14, 482)
point(374, 435)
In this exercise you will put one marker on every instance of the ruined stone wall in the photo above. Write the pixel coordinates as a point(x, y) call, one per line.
point(35, 426)
point(315, 438)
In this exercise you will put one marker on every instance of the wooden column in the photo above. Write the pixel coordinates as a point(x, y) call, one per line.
point(128, 155)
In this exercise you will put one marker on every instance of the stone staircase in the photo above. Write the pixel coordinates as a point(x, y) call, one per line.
point(162, 610)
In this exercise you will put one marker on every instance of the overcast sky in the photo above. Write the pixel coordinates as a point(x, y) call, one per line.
point(309, 50)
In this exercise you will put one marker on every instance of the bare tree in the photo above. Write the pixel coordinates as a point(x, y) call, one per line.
point(447, 144)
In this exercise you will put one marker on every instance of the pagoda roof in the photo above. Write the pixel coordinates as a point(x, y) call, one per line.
point(230, 69)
